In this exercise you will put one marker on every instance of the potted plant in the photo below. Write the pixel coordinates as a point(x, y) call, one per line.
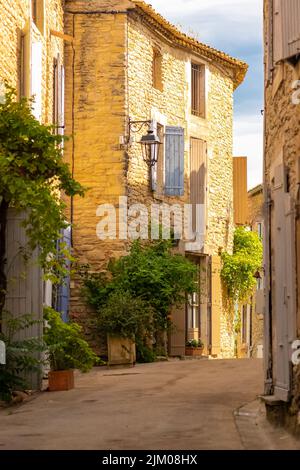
point(124, 318)
point(66, 351)
point(194, 347)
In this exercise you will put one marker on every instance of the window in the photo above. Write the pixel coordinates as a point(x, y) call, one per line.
point(198, 90)
point(259, 284)
point(193, 305)
point(287, 180)
point(157, 70)
point(37, 14)
point(193, 310)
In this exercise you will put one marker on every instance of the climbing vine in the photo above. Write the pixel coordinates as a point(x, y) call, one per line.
point(32, 177)
point(238, 269)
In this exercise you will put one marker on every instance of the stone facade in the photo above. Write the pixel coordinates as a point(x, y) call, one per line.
point(109, 70)
point(281, 180)
point(15, 20)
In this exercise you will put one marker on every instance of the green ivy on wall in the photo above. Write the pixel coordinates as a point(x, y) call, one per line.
point(238, 269)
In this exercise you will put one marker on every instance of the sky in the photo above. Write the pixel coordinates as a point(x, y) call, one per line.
point(235, 27)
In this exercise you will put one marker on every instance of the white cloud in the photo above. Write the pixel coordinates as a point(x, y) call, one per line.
point(248, 142)
point(239, 18)
point(234, 26)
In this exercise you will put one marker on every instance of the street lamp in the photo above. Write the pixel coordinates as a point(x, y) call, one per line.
point(150, 147)
point(150, 142)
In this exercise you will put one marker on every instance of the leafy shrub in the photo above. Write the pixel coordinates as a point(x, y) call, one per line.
point(32, 176)
point(144, 354)
point(22, 356)
point(239, 268)
point(152, 273)
point(125, 316)
point(66, 347)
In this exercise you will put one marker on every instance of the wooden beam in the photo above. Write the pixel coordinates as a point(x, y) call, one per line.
point(58, 34)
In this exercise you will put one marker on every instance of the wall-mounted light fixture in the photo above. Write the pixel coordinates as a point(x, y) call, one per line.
point(149, 142)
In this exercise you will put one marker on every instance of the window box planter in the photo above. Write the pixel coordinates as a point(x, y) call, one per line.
point(189, 351)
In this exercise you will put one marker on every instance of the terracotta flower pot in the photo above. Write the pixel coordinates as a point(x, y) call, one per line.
point(193, 351)
point(60, 380)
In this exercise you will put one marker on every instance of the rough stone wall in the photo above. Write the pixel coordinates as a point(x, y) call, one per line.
point(220, 165)
point(14, 17)
point(255, 208)
point(144, 99)
point(283, 122)
point(95, 109)
point(173, 103)
point(282, 138)
point(220, 226)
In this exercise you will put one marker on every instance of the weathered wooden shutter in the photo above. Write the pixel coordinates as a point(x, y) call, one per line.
point(286, 29)
point(268, 38)
point(25, 284)
point(63, 294)
point(36, 78)
point(240, 194)
point(62, 100)
point(25, 61)
point(174, 161)
point(197, 179)
point(284, 285)
point(198, 90)
point(58, 95)
point(277, 31)
point(291, 27)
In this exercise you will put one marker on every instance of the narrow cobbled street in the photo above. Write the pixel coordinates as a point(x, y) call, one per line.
point(168, 405)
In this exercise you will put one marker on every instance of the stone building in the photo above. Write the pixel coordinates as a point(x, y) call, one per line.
point(126, 63)
point(282, 202)
point(31, 61)
point(250, 337)
point(31, 53)
point(257, 308)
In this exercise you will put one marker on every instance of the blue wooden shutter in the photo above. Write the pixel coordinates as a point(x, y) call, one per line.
point(174, 161)
point(63, 295)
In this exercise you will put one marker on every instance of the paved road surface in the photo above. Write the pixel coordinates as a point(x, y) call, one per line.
point(167, 405)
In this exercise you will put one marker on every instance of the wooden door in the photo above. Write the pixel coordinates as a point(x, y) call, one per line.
point(283, 285)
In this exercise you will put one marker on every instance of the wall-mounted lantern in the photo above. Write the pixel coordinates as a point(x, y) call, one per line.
point(149, 142)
